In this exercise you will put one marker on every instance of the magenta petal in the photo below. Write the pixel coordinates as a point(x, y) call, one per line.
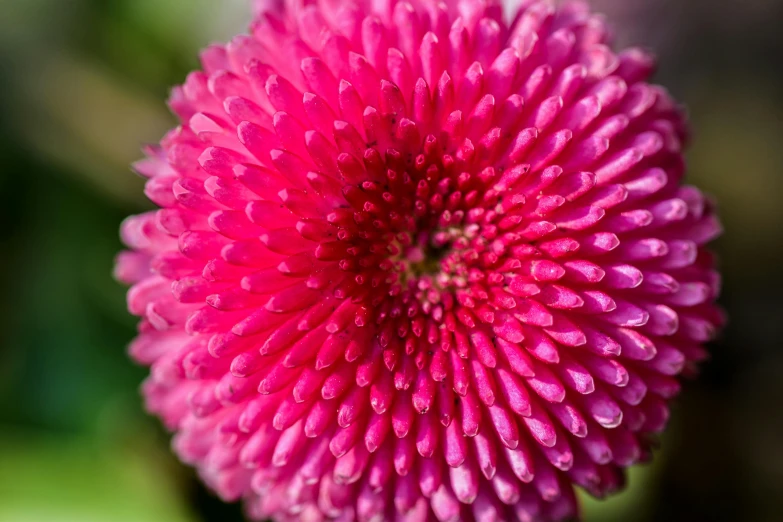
point(417, 261)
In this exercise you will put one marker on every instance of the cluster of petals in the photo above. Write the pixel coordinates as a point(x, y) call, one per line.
point(419, 260)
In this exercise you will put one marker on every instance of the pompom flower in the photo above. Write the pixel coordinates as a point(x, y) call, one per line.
point(419, 260)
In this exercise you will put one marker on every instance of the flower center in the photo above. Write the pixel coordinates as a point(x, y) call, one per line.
point(425, 260)
point(419, 232)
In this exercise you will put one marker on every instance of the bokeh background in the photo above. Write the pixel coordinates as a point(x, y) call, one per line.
point(82, 86)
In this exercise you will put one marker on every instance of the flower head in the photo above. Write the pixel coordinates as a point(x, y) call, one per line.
point(419, 261)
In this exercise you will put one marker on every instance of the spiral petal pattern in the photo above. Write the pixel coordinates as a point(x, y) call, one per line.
point(419, 260)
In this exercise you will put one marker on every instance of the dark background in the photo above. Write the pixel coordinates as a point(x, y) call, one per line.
point(82, 85)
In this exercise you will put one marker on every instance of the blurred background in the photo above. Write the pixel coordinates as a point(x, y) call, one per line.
point(82, 87)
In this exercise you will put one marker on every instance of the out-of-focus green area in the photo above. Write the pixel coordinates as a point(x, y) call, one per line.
point(82, 85)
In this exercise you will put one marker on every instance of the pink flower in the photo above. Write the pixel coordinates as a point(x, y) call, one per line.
point(419, 261)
